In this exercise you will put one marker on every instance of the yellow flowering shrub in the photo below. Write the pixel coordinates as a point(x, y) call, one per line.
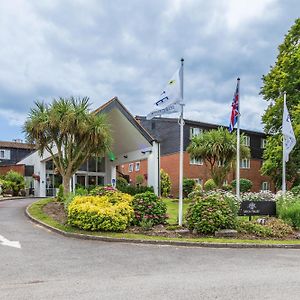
point(104, 213)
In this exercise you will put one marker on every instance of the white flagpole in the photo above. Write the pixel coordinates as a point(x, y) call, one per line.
point(238, 144)
point(180, 204)
point(283, 153)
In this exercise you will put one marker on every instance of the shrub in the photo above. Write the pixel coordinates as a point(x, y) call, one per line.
point(60, 194)
point(165, 183)
point(197, 191)
point(188, 186)
point(149, 206)
point(139, 179)
point(275, 228)
point(133, 190)
point(212, 212)
point(81, 191)
point(210, 185)
point(121, 183)
point(296, 190)
point(105, 213)
point(227, 187)
point(17, 181)
point(146, 224)
point(103, 191)
point(7, 187)
point(288, 209)
point(245, 185)
point(68, 199)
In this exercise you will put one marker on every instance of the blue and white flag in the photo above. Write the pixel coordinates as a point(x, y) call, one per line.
point(288, 133)
point(170, 98)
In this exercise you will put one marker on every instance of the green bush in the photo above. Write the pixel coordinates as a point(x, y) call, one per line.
point(275, 228)
point(107, 190)
point(212, 212)
point(81, 191)
point(245, 185)
point(133, 190)
point(149, 206)
point(104, 213)
point(17, 181)
point(165, 183)
point(210, 185)
point(197, 191)
point(60, 194)
point(188, 186)
point(7, 187)
point(121, 183)
point(296, 190)
point(288, 209)
point(227, 187)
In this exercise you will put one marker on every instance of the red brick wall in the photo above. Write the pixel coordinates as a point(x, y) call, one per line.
point(170, 163)
point(17, 168)
point(132, 175)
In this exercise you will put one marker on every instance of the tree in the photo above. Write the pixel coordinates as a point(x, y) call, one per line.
point(69, 132)
point(218, 150)
point(283, 76)
point(165, 183)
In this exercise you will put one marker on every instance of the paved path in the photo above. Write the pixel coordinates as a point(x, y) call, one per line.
point(50, 266)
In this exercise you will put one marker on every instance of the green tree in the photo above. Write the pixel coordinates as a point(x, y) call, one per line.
point(218, 150)
point(69, 132)
point(165, 183)
point(283, 76)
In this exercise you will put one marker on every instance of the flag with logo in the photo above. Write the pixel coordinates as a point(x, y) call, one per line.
point(288, 133)
point(170, 98)
point(235, 108)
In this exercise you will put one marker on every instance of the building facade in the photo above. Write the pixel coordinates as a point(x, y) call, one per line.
point(166, 131)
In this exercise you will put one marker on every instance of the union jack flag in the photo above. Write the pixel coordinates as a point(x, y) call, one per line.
point(235, 107)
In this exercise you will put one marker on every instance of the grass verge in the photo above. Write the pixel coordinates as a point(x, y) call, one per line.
point(35, 210)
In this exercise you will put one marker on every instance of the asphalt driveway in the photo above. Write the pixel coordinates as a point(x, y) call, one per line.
point(50, 266)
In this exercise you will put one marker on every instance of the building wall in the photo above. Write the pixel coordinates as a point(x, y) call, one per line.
point(124, 169)
point(170, 164)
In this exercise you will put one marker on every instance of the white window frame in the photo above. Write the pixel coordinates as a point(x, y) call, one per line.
point(5, 154)
point(130, 167)
point(195, 131)
point(246, 140)
point(265, 186)
point(245, 163)
point(263, 143)
point(137, 166)
point(196, 162)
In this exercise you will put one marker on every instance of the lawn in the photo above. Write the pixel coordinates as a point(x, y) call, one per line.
point(172, 209)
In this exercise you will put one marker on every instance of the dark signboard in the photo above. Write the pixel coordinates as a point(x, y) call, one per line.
point(258, 208)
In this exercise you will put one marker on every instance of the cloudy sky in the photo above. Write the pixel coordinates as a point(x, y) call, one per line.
point(130, 49)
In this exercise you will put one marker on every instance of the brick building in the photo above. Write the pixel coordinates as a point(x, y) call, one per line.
point(166, 131)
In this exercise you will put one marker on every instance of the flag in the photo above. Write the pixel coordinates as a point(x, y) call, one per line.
point(288, 133)
point(170, 98)
point(235, 107)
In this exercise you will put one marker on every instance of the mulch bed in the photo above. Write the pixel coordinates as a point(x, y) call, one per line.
point(56, 211)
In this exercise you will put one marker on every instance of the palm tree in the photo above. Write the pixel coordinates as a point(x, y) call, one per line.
point(218, 149)
point(69, 132)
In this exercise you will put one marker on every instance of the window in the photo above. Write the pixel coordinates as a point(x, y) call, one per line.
point(194, 161)
point(130, 168)
point(263, 143)
point(198, 181)
point(194, 131)
point(245, 163)
point(100, 164)
point(265, 186)
point(137, 166)
point(246, 140)
point(5, 154)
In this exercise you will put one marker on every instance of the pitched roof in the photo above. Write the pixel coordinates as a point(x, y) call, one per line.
point(17, 145)
point(116, 103)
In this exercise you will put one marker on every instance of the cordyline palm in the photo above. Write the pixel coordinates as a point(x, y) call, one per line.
point(69, 132)
point(218, 149)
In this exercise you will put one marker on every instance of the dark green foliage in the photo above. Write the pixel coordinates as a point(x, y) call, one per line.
point(133, 190)
point(139, 179)
point(212, 212)
point(107, 190)
point(209, 185)
point(121, 183)
point(296, 190)
point(245, 185)
point(147, 206)
point(283, 76)
point(188, 186)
